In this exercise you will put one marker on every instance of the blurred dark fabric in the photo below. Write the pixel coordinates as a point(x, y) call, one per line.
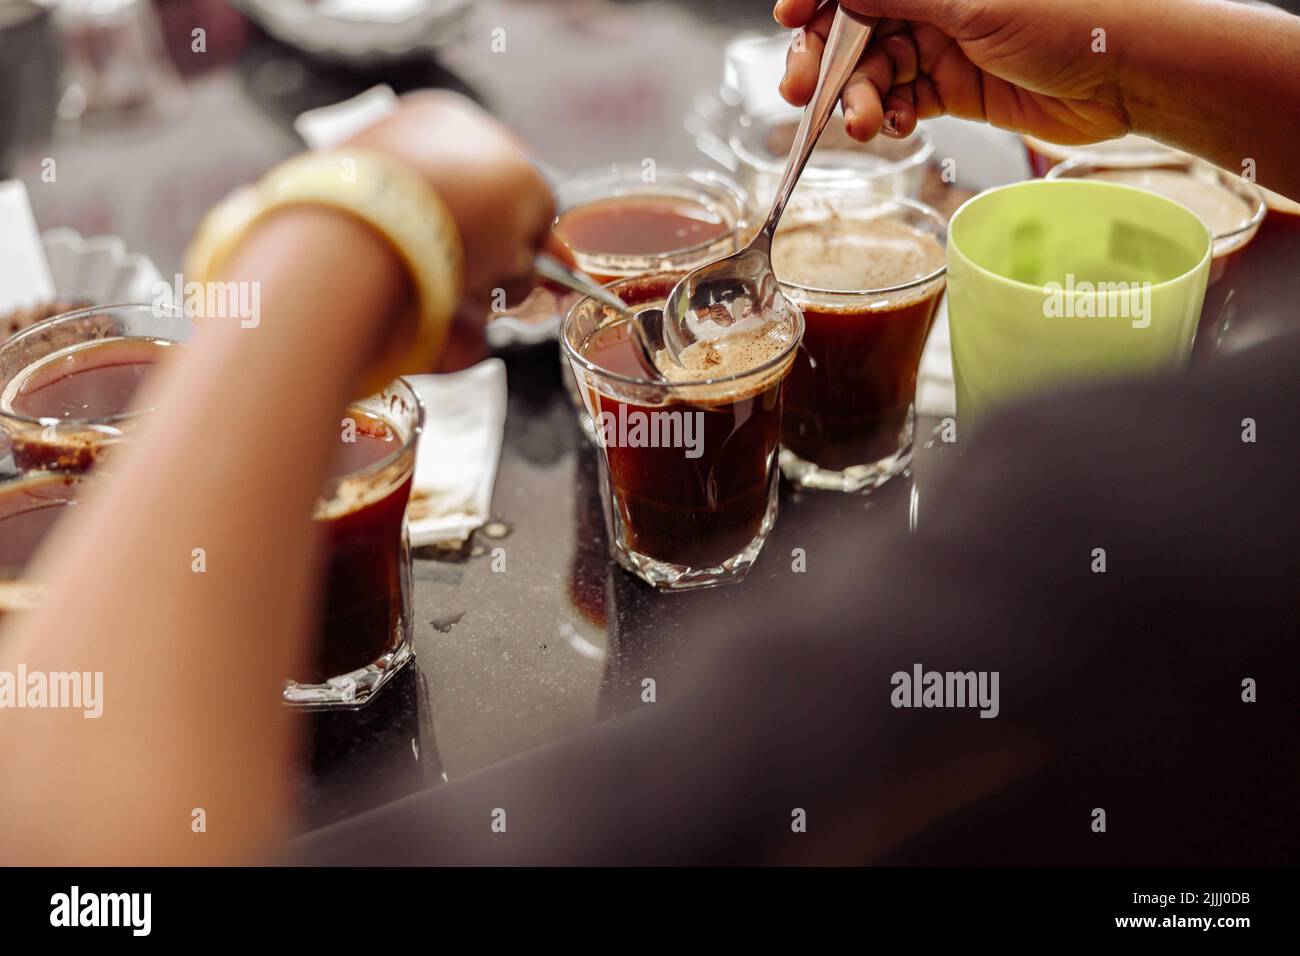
point(1119, 690)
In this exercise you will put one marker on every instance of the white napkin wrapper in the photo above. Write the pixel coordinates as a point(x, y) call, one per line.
point(456, 461)
point(101, 271)
point(936, 393)
point(330, 125)
point(24, 274)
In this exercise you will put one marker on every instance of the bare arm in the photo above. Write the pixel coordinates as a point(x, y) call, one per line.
point(1221, 80)
point(232, 463)
point(192, 662)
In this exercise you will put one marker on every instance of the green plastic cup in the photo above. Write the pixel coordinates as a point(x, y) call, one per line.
point(1054, 282)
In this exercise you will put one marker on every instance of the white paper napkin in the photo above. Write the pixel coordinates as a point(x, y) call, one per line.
point(456, 463)
point(985, 157)
point(24, 274)
point(329, 125)
point(936, 394)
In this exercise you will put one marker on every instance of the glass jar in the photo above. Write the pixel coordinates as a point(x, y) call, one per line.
point(640, 204)
point(629, 220)
point(1231, 208)
point(95, 359)
point(850, 400)
point(689, 468)
point(1130, 150)
point(754, 148)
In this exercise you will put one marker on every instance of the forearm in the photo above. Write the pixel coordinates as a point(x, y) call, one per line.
point(1218, 79)
point(192, 662)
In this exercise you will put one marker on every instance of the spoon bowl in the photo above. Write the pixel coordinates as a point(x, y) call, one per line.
point(741, 288)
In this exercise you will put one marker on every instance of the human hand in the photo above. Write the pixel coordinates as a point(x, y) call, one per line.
point(1023, 65)
point(502, 206)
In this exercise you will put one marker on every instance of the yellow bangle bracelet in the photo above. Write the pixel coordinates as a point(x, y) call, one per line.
point(383, 193)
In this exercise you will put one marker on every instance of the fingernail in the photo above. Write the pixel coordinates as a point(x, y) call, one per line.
point(890, 126)
point(850, 117)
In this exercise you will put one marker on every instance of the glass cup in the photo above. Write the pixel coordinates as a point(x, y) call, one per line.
point(364, 634)
point(1127, 150)
point(50, 429)
point(849, 415)
point(689, 477)
point(29, 508)
point(54, 451)
point(748, 129)
point(1230, 207)
point(651, 239)
point(756, 148)
point(622, 220)
point(1269, 283)
point(1054, 281)
point(115, 62)
point(365, 626)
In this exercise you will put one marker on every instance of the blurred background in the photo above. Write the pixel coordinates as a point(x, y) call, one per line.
point(132, 117)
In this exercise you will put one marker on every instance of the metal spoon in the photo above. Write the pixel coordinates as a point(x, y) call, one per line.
point(707, 297)
point(646, 324)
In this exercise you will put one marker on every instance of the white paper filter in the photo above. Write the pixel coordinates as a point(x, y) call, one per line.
point(25, 278)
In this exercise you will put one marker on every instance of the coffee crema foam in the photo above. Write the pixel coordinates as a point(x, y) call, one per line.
point(854, 255)
point(745, 347)
point(354, 492)
point(1221, 209)
point(737, 352)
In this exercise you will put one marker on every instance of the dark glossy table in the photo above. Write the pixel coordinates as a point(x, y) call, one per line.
point(509, 661)
point(505, 662)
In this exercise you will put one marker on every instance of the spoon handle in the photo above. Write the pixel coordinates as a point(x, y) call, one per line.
point(548, 267)
point(844, 45)
point(646, 341)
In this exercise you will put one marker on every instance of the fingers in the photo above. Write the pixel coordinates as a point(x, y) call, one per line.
point(803, 61)
point(557, 248)
point(872, 99)
point(796, 13)
point(901, 50)
point(863, 95)
point(534, 234)
point(900, 112)
point(867, 113)
point(517, 286)
point(925, 98)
